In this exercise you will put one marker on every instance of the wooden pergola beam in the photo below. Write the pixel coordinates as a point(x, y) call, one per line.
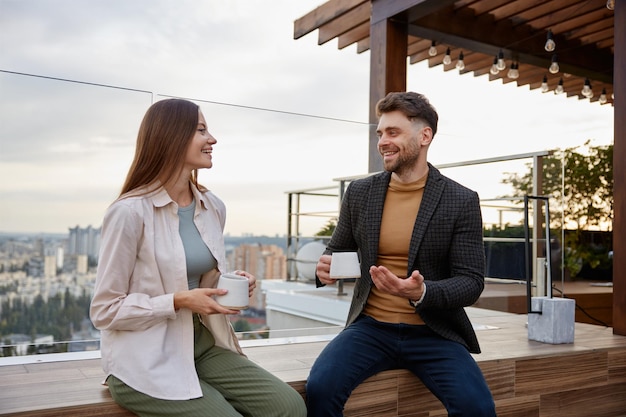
point(322, 15)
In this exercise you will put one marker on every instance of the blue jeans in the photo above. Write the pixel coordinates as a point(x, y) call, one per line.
point(367, 347)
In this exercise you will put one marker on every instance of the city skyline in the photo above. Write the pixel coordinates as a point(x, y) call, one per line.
point(37, 275)
point(287, 114)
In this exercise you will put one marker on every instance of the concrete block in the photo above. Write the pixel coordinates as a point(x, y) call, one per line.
point(555, 324)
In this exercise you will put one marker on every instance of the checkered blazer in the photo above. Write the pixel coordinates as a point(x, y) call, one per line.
point(446, 247)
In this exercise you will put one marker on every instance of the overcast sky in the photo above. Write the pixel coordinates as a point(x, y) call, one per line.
point(288, 114)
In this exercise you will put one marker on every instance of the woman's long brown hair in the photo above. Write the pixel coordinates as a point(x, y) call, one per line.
point(164, 135)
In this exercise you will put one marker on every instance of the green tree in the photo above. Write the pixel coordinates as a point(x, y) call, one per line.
point(580, 182)
point(328, 228)
point(58, 316)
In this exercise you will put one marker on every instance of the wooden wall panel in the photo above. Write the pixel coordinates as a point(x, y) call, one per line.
point(378, 395)
point(559, 373)
point(500, 376)
point(527, 406)
point(604, 401)
point(617, 366)
point(413, 395)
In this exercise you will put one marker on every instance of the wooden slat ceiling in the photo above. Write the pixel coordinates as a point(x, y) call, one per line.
point(481, 29)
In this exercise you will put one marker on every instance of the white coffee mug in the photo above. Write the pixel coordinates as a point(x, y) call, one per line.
point(237, 296)
point(345, 265)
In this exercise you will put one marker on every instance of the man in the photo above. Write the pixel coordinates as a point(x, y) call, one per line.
point(419, 238)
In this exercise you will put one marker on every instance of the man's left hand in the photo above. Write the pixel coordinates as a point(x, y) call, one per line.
point(411, 288)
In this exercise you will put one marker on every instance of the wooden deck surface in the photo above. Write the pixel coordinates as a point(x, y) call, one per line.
point(586, 378)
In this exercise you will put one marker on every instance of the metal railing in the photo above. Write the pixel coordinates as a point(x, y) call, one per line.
point(295, 214)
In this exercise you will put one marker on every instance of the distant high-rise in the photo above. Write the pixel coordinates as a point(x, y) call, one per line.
point(84, 241)
point(262, 261)
point(76, 263)
point(50, 262)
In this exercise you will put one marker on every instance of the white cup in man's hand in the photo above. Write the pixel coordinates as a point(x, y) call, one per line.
point(345, 265)
point(237, 296)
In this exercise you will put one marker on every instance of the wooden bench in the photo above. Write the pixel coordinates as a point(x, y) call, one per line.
point(527, 378)
point(73, 388)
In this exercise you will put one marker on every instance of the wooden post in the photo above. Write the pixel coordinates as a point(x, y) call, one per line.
point(619, 170)
point(388, 62)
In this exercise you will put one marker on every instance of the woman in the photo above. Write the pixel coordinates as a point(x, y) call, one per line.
point(167, 346)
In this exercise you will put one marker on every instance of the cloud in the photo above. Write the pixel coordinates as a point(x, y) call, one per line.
point(288, 114)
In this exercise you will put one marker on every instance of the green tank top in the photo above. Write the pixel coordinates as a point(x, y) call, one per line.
point(198, 257)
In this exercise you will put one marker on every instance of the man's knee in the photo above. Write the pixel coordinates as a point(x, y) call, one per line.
point(317, 383)
point(326, 394)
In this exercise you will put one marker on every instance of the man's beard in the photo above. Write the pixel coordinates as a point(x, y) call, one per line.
point(406, 160)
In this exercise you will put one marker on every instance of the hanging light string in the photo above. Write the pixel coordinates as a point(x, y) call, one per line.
point(499, 63)
point(550, 46)
point(549, 30)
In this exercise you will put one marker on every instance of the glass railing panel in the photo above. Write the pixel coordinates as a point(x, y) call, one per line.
point(48, 263)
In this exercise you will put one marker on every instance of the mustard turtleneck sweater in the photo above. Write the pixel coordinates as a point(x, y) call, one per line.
point(402, 203)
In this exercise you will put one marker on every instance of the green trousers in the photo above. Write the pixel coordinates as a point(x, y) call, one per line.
point(232, 385)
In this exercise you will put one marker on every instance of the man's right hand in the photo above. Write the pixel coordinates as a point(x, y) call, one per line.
point(322, 270)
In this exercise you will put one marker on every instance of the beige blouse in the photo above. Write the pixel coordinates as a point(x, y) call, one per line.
point(145, 342)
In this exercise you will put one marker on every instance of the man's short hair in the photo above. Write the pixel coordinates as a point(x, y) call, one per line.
point(414, 106)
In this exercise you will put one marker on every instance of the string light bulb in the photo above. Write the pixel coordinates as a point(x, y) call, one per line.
point(559, 88)
point(603, 98)
point(586, 91)
point(544, 84)
point(513, 71)
point(610, 4)
point(501, 64)
point(460, 64)
point(432, 51)
point(446, 58)
point(550, 44)
point(554, 66)
point(494, 68)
